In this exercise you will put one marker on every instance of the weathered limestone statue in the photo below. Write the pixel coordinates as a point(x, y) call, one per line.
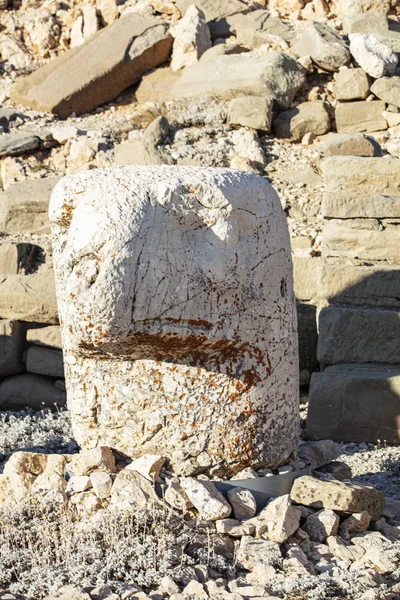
point(178, 316)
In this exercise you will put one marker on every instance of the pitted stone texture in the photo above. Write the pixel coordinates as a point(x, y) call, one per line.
point(175, 290)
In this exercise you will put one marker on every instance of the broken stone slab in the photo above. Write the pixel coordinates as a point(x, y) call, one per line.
point(374, 56)
point(307, 117)
point(30, 298)
point(324, 44)
point(274, 75)
point(356, 175)
point(216, 13)
point(357, 335)
point(377, 286)
point(243, 503)
point(96, 72)
point(365, 244)
point(45, 336)
point(318, 454)
point(87, 461)
point(251, 111)
point(234, 528)
point(339, 470)
point(24, 206)
point(391, 38)
point(388, 90)
point(35, 391)
point(148, 465)
point(204, 496)
point(359, 117)
point(216, 218)
point(348, 144)
point(321, 525)
point(157, 86)
point(374, 7)
point(364, 22)
point(13, 144)
point(351, 84)
point(44, 361)
point(191, 38)
point(305, 272)
point(336, 495)
point(351, 206)
point(258, 27)
point(342, 399)
point(12, 344)
point(131, 491)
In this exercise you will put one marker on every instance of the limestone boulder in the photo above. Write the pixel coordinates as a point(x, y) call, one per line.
point(278, 520)
point(318, 454)
point(96, 72)
point(374, 56)
point(274, 75)
point(251, 111)
point(342, 399)
point(359, 117)
point(324, 44)
point(193, 391)
point(307, 117)
point(351, 84)
point(388, 90)
point(337, 495)
point(192, 39)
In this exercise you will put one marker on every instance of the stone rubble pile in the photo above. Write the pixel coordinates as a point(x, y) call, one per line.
point(325, 526)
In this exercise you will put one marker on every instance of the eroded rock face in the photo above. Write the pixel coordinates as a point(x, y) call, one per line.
point(178, 317)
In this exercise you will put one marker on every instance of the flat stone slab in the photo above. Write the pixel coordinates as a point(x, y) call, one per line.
point(352, 117)
point(351, 206)
point(12, 144)
point(45, 361)
point(339, 238)
point(30, 298)
point(178, 316)
point(359, 175)
point(343, 399)
point(355, 335)
point(97, 71)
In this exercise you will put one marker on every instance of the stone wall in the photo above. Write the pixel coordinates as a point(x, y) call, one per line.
point(356, 396)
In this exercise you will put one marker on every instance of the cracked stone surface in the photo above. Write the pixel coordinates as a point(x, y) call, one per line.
point(177, 310)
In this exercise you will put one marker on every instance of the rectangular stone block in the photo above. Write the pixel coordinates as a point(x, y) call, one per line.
point(365, 244)
point(178, 317)
point(45, 336)
point(97, 71)
point(34, 391)
point(44, 361)
point(350, 206)
point(305, 273)
point(24, 206)
point(30, 298)
point(361, 175)
point(353, 117)
point(360, 286)
point(355, 335)
point(355, 403)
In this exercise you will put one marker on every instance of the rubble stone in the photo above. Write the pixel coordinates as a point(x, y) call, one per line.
point(243, 503)
point(387, 89)
point(321, 525)
point(204, 496)
point(348, 144)
point(351, 84)
point(376, 58)
point(86, 461)
point(364, 22)
point(192, 38)
point(278, 520)
point(319, 453)
point(307, 117)
point(337, 495)
point(252, 553)
point(325, 46)
point(251, 111)
point(13, 144)
point(148, 465)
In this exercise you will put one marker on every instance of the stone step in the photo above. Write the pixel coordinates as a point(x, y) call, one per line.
point(344, 240)
point(355, 335)
point(361, 175)
point(355, 403)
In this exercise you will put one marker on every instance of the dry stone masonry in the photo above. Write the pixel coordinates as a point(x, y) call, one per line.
point(175, 295)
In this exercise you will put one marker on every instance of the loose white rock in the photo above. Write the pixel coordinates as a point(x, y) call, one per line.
point(376, 58)
point(192, 38)
point(204, 496)
point(243, 503)
point(278, 520)
point(101, 483)
point(148, 465)
point(321, 525)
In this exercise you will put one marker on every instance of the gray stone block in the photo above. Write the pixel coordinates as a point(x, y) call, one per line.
point(355, 403)
point(44, 361)
point(35, 391)
point(365, 244)
point(351, 206)
point(355, 335)
point(45, 336)
point(359, 286)
point(352, 117)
